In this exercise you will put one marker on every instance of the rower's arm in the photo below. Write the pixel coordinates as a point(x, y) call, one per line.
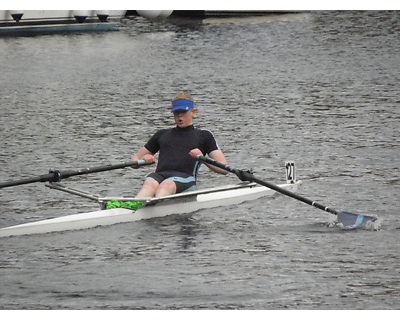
point(216, 155)
point(220, 157)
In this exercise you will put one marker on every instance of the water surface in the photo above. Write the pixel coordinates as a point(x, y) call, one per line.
point(318, 88)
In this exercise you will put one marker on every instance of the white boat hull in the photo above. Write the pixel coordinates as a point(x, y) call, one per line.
point(155, 207)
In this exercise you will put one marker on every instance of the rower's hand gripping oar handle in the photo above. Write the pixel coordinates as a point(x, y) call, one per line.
point(57, 175)
point(215, 163)
point(244, 175)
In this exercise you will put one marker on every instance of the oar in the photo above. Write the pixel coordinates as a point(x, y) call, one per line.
point(347, 219)
point(57, 175)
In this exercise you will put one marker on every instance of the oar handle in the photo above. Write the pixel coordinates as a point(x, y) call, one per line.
point(248, 176)
point(57, 175)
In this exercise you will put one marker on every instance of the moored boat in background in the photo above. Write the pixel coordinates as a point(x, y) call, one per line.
point(32, 22)
point(203, 14)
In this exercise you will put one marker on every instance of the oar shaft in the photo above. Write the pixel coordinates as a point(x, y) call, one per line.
point(71, 173)
point(247, 176)
point(57, 175)
point(42, 178)
point(291, 194)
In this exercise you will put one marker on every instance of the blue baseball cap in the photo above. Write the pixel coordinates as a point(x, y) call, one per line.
point(182, 105)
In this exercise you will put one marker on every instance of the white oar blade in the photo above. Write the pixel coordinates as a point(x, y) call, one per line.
point(350, 220)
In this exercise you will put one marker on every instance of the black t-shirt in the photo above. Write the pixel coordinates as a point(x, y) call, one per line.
point(174, 145)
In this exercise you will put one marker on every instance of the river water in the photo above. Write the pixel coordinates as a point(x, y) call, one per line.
point(319, 88)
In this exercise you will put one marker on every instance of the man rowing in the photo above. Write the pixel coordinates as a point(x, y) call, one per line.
point(178, 147)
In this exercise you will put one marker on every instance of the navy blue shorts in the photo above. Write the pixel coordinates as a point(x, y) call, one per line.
point(183, 181)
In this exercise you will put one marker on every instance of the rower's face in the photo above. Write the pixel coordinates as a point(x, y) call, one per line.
point(184, 118)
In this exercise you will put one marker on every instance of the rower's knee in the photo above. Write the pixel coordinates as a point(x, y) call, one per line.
point(149, 189)
point(166, 188)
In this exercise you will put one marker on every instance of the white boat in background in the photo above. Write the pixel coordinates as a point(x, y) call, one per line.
point(59, 15)
point(30, 22)
point(33, 22)
point(203, 14)
point(181, 203)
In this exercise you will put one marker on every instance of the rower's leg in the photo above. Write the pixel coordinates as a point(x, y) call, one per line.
point(149, 189)
point(166, 188)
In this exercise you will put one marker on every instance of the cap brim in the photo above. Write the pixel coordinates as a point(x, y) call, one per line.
point(180, 108)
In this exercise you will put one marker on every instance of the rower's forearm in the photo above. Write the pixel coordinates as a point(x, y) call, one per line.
point(216, 169)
